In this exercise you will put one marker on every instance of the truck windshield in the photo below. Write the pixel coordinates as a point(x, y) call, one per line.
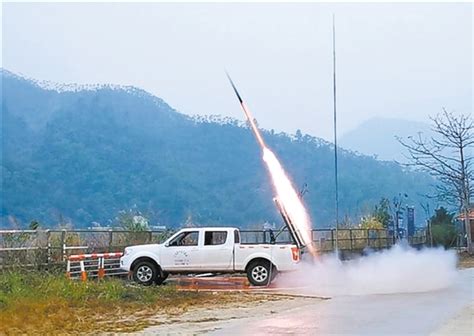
point(189, 238)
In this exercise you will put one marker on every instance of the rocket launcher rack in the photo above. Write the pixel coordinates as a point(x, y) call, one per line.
point(294, 232)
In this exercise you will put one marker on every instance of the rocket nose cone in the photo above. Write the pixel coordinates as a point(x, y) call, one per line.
point(233, 86)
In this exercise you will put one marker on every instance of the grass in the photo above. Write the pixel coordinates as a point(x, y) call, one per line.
point(33, 302)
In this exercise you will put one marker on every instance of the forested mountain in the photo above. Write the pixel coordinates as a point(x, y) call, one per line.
point(87, 153)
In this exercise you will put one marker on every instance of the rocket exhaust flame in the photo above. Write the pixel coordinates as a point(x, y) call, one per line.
point(288, 202)
point(288, 222)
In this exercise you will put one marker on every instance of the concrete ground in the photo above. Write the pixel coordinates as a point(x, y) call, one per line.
point(444, 312)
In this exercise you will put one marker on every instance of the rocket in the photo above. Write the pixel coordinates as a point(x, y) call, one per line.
point(248, 115)
point(293, 229)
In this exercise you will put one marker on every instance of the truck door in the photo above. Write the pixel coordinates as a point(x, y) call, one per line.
point(182, 252)
point(217, 250)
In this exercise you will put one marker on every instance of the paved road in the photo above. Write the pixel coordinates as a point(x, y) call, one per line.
point(395, 314)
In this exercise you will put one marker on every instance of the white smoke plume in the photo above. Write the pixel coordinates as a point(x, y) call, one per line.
point(397, 270)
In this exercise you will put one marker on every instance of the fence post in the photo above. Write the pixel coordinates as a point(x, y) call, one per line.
point(150, 236)
point(101, 271)
point(83, 271)
point(48, 248)
point(63, 244)
point(332, 239)
point(68, 269)
point(350, 237)
point(110, 239)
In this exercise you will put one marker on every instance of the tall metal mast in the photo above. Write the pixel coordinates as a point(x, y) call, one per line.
point(335, 127)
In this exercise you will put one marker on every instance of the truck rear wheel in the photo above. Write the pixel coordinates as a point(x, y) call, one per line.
point(261, 272)
point(145, 273)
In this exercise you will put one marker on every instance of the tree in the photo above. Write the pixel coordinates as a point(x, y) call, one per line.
point(442, 228)
point(379, 218)
point(298, 135)
point(132, 221)
point(34, 225)
point(371, 223)
point(442, 217)
point(445, 155)
point(382, 212)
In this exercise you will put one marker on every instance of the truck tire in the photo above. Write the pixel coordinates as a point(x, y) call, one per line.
point(260, 272)
point(145, 273)
point(161, 277)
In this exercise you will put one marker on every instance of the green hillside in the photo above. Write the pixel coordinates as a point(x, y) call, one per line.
point(87, 153)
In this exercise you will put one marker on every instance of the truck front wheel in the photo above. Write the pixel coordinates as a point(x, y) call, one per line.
point(145, 273)
point(261, 272)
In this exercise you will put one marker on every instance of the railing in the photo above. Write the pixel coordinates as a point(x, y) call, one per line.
point(51, 247)
point(44, 248)
point(347, 239)
point(93, 265)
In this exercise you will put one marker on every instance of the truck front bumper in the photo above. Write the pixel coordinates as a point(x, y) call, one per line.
point(126, 262)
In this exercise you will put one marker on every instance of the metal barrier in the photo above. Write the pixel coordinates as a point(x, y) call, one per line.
point(51, 247)
point(351, 240)
point(70, 248)
point(93, 265)
point(45, 248)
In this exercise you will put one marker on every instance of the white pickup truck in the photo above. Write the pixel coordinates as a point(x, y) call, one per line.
point(205, 250)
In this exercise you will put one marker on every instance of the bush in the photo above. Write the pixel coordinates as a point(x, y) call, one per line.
point(444, 235)
point(443, 230)
point(371, 223)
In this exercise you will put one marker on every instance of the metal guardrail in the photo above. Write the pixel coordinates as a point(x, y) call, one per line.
point(43, 248)
point(96, 265)
point(348, 239)
point(51, 247)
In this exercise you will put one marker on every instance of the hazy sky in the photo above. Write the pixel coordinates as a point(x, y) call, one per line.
point(393, 60)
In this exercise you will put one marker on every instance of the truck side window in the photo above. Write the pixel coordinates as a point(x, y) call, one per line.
point(189, 238)
point(215, 237)
point(236, 237)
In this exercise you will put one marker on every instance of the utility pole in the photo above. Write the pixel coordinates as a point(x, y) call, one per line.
point(397, 202)
point(428, 221)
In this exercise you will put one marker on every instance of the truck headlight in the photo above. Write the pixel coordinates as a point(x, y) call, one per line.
point(126, 252)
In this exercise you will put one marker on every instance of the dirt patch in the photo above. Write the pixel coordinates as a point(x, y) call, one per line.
point(198, 320)
point(466, 260)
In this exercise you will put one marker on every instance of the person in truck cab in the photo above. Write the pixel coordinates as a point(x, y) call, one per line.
point(188, 239)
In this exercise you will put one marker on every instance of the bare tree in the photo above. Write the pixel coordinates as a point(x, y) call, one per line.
point(447, 156)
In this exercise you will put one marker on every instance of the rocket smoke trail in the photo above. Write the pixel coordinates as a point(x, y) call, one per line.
point(288, 201)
